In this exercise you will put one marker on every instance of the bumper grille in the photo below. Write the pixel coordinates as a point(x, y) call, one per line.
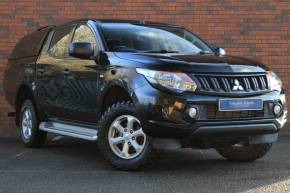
point(214, 114)
point(233, 84)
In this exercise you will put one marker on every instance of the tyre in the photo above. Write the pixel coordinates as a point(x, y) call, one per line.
point(121, 140)
point(244, 153)
point(29, 132)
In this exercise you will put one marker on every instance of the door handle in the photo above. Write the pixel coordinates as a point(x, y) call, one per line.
point(41, 70)
point(66, 72)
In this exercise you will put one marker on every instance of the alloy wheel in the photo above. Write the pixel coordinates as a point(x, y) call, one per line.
point(126, 137)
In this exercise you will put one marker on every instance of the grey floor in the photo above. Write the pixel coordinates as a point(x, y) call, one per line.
point(69, 165)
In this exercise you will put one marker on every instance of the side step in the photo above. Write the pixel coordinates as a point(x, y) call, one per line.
point(69, 130)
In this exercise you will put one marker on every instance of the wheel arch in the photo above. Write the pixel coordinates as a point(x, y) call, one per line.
point(23, 93)
point(115, 93)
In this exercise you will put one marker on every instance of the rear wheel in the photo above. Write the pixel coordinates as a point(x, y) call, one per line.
point(29, 132)
point(245, 152)
point(121, 140)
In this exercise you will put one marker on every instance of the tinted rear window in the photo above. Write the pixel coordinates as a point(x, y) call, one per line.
point(30, 45)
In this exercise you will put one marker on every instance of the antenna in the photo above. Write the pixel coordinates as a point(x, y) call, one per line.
point(142, 21)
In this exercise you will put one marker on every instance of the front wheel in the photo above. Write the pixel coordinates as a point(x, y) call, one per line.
point(121, 140)
point(244, 152)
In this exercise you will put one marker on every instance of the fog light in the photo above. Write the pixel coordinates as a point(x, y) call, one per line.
point(277, 109)
point(192, 112)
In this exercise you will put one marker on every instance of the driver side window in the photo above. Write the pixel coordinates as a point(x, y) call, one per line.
point(84, 34)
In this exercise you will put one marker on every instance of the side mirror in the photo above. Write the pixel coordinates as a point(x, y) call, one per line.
point(82, 50)
point(221, 51)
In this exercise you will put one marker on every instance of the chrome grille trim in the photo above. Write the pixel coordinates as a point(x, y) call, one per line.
point(249, 84)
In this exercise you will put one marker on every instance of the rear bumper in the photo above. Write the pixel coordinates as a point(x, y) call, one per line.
point(165, 116)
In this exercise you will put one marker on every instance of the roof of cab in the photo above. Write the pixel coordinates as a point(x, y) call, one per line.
point(140, 22)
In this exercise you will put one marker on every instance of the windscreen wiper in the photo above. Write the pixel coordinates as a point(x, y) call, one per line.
point(205, 53)
point(160, 51)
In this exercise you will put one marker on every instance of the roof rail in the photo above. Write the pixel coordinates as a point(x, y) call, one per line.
point(39, 29)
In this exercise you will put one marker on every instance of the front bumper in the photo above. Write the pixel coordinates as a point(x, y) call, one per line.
point(166, 115)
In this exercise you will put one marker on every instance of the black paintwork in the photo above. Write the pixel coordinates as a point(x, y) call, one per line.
point(74, 90)
point(195, 63)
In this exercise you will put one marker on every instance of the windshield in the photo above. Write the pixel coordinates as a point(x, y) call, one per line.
point(124, 37)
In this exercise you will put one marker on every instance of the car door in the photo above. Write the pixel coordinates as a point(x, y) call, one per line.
point(52, 66)
point(82, 81)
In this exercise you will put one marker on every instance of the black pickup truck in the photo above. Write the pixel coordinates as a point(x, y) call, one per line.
point(133, 86)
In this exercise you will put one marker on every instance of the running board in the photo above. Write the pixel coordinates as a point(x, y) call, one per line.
point(69, 130)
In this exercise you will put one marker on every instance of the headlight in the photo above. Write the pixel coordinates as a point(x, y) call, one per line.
point(175, 81)
point(275, 82)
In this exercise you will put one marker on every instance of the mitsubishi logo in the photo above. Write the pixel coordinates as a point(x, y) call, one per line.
point(237, 86)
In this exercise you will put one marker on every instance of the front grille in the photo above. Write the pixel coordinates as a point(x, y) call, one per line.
point(214, 114)
point(233, 84)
